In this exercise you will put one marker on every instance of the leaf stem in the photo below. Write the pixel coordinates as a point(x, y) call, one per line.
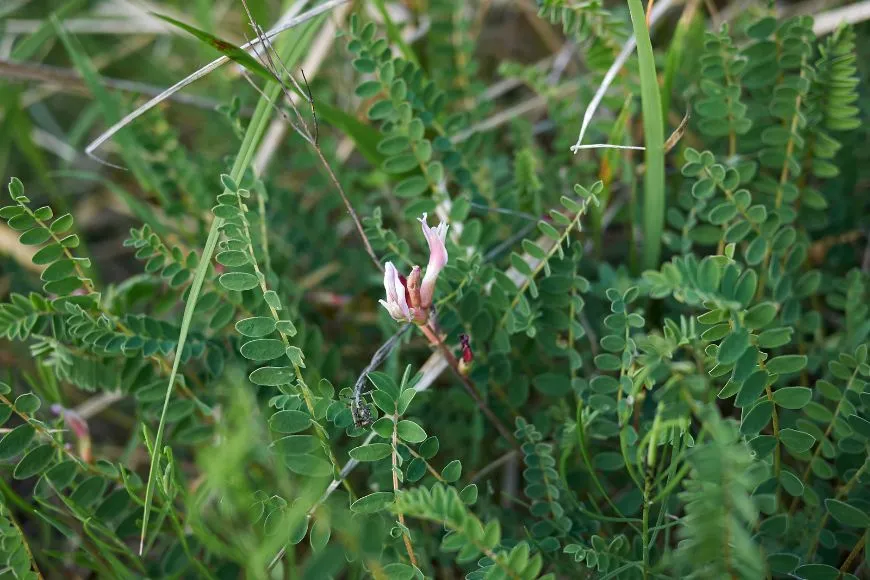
point(654, 139)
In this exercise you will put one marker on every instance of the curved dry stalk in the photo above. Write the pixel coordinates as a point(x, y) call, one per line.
point(628, 48)
point(215, 64)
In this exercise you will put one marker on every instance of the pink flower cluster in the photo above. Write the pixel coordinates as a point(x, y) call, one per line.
point(407, 299)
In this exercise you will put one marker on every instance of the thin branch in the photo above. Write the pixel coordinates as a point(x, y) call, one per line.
point(394, 457)
point(269, 60)
point(350, 210)
point(69, 81)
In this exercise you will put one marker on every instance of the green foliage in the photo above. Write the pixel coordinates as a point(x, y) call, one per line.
point(715, 539)
point(206, 386)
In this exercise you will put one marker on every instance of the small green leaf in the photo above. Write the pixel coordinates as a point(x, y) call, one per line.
point(860, 425)
point(271, 298)
point(775, 337)
point(416, 470)
point(16, 441)
point(58, 270)
point(756, 418)
point(411, 187)
point(70, 241)
point(760, 315)
point(404, 400)
point(35, 462)
point(452, 471)
point(410, 432)
point(62, 224)
point(10, 211)
point(734, 345)
point(385, 383)
point(34, 236)
point(817, 572)
point(468, 495)
point(400, 163)
point(394, 145)
point(755, 251)
point(548, 230)
point(371, 452)
point(752, 388)
point(296, 444)
point(296, 356)
point(792, 397)
point(62, 287)
point(429, 447)
point(286, 327)
point(289, 421)
point(262, 349)
point(368, 89)
point(273, 376)
point(47, 255)
point(309, 465)
point(28, 403)
point(797, 441)
point(238, 281)
point(364, 65)
point(256, 327)
point(62, 474)
point(846, 514)
point(789, 363)
point(320, 534)
point(232, 258)
point(791, 483)
point(372, 503)
point(383, 427)
point(703, 188)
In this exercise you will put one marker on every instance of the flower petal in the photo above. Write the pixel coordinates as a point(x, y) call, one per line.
point(391, 275)
point(435, 237)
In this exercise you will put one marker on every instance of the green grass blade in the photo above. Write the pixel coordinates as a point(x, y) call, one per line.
point(364, 136)
point(654, 139)
point(228, 49)
point(290, 48)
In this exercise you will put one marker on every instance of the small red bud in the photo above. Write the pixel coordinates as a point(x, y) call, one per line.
point(465, 343)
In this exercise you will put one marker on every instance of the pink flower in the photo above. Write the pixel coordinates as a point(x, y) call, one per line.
point(409, 300)
point(437, 258)
point(75, 422)
point(396, 302)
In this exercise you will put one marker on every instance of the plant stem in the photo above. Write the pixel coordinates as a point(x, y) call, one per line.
point(24, 543)
point(436, 341)
point(859, 545)
point(349, 207)
point(406, 534)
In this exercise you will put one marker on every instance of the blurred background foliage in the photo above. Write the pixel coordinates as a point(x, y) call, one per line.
point(183, 337)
